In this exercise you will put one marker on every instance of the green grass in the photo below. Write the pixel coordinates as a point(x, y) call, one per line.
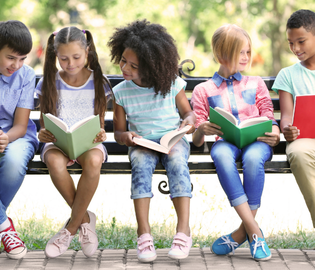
point(114, 235)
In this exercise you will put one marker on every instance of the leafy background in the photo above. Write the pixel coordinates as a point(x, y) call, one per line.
point(190, 22)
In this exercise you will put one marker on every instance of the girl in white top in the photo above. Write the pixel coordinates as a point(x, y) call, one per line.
point(77, 91)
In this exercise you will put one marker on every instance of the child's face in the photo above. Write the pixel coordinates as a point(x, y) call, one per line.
point(129, 65)
point(244, 56)
point(302, 43)
point(72, 57)
point(10, 61)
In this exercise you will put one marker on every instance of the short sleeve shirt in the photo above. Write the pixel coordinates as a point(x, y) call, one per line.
point(17, 91)
point(295, 79)
point(74, 103)
point(150, 116)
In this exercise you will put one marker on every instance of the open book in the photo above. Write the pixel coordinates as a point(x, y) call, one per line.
point(74, 140)
point(304, 116)
point(243, 134)
point(166, 142)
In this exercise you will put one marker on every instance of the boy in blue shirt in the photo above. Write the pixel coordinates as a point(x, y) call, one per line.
point(299, 79)
point(18, 141)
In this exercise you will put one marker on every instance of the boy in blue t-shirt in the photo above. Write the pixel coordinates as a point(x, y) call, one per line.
point(299, 79)
point(18, 141)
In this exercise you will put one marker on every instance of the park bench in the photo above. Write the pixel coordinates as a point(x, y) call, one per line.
point(278, 164)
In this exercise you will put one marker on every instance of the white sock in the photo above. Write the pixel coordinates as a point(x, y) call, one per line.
point(6, 224)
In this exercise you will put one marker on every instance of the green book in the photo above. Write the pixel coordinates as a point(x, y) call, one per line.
point(243, 134)
point(74, 140)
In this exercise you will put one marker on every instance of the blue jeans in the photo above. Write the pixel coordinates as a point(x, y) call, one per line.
point(143, 163)
point(13, 166)
point(253, 157)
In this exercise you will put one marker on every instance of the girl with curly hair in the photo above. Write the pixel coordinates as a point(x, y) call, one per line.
point(153, 100)
point(73, 93)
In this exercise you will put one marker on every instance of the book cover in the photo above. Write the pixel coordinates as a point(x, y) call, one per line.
point(304, 116)
point(76, 141)
point(166, 142)
point(240, 136)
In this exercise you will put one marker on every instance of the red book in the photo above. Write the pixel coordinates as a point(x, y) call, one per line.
point(304, 116)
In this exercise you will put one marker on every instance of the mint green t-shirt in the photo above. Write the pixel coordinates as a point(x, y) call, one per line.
point(295, 79)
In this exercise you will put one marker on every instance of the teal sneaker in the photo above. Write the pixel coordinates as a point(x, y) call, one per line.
point(259, 248)
point(225, 245)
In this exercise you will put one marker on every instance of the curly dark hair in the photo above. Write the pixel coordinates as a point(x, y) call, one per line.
point(155, 49)
point(302, 17)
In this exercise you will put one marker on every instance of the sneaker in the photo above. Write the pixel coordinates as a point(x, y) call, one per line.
point(180, 247)
point(13, 245)
point(88, 236)
point(59, 243)
point(259, 248)
point(145, 248)
point(225, 245)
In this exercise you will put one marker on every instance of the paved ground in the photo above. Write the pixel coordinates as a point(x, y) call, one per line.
point(199, 259)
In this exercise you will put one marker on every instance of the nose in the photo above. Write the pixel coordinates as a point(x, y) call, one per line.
point(15, 64)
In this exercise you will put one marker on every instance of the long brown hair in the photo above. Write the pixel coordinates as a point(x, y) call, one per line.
point(49, 97)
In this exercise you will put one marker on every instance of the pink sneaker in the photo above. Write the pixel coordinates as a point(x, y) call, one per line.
point(180, 247)
point(88, 236)
point(13, 245)
point(145, 249)
point(59, 243)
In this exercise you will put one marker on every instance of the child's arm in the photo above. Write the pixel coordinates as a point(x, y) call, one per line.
point(185, 111)
point(18, 129)
point(121, 135)
point(286, 106)
point(205, 128)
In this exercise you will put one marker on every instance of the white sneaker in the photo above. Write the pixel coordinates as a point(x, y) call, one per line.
point(88, 236)
point(59, 243)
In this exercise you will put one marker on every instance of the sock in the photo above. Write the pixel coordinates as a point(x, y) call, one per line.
point(6, 224)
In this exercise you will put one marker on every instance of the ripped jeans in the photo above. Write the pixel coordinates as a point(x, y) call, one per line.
point(13, 166)
point(143, 163)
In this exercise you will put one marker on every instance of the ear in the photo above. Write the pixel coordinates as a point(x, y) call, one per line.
point(87, 51)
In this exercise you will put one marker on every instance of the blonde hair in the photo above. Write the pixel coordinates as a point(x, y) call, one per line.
point(227, 43)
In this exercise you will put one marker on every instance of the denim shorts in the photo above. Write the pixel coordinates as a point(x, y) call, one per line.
point(143, 163)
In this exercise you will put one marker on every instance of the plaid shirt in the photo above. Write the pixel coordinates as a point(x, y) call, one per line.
point(243, 96)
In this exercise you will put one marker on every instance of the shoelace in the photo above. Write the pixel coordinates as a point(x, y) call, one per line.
point(84, 235)
point(63, 238)
point(258, 243)
point(227, 241)
point(10, 238)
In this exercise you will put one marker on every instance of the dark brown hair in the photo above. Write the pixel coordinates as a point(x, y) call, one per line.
point(155, 49)
point(49, 97)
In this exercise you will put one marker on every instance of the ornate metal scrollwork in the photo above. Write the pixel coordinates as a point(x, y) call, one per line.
point(163, 185)
point(180, 68)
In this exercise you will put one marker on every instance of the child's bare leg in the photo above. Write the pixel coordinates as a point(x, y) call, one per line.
point(182, 206)
point(249, 223)
point(57, 165)
point(239, 235)
point(142, 214)
point(91, 163)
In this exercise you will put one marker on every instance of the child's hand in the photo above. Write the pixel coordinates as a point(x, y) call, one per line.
point(101, 136)
point(4, 141)
point(208, 128)
point(272, 138)
point(188, 121)
point(127, 137)
point(290, 133)
point(46, 136)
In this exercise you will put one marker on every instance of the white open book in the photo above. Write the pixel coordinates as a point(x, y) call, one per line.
point(166, 142)
point(245, 123)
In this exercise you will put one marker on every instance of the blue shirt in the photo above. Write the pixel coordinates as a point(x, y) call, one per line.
point(150, 116)
point(17, 91)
